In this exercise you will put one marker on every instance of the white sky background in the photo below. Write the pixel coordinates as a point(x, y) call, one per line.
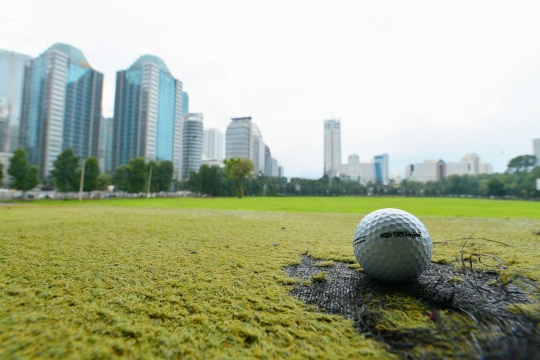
point(414, 79)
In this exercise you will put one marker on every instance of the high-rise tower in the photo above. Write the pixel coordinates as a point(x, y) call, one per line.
point(11, 95)
point(238, 142)
point(213, 145)
point(61, 106)
point(148, 120)
point(332, 147)
point(193, 143)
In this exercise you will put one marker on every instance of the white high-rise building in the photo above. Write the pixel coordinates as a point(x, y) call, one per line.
point(458, 168)
point(258, 147)
point(536, 149)
point(332, 147)
point(238, 138)
point(192, 143)
point(213, 145)
point(486, 168)
point(474, 160)
point(429, 170)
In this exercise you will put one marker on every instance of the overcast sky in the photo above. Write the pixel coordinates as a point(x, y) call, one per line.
point(414, 79)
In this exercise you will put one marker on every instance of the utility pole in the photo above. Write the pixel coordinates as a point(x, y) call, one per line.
point(82, 180)
point(149, 181)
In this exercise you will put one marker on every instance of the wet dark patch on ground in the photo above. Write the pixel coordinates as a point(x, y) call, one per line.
point(475, 313)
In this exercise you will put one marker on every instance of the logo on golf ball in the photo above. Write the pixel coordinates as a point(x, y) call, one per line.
point(411, 234)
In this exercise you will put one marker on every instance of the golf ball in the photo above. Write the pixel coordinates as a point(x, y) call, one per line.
point(392, 245)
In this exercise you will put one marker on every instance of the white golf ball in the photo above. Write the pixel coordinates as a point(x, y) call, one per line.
point(392, 245)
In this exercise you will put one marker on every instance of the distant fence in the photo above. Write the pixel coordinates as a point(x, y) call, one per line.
point(7, 195)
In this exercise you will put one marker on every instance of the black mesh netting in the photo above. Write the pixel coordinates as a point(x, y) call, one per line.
point(473, 311)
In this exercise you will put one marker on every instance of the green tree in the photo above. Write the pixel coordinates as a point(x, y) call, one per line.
point(137, 176)
point(91, 174)
point(238, 170)
point(1, 173)
point(121, 177)
point(103, 182)
point(25, 176)
point(65, 174)
point(164, 174)
point(521, 164)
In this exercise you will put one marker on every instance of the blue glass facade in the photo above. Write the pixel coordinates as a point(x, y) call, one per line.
point(12, 66)
point(61, 106)
point(147, 114)
point(165, 126)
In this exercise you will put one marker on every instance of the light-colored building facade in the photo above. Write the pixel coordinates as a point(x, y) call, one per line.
point(238, 143)
point(429, 170)
point(105, 145)
point(281, 171)
point(148, 119)
point(4, 160)
point(486, 168)
point(267, 161)
point(458, 168)
point(61, 106)
point(275, 166)
point(193, 143)
point(258, 154)
point(185, 103)
point(365, 173)
point(474, 160)
point(213, 145)
point(536, 150)
point(12, 69)
point(332, 147)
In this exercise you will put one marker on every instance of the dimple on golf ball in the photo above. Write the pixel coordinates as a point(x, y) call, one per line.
point(392, 245)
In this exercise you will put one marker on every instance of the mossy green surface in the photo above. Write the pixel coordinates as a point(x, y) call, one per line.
point(109, 281)
point(347, 205)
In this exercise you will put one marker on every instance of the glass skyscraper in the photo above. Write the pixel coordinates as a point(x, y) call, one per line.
point(11, 94)
point(148, 114)
point(61, 106)
point(193, 143)
point(381, 168)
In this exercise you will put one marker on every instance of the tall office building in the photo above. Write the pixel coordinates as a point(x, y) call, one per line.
point(267, 161)
point(148, 120)
point(429, 170)
point(193, 143)
point(474, 160)
point(12, 67)
point(486, 168)
point(213, 145)
point(281, 171)
point(536, 150)
point(61, 106)
point(185, 103)
point(238, 143)
point(105, 145)
point(381, 168)
point(258, 147)
point(332, 147)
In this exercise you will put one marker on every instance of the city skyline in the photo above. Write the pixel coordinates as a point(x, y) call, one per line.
point(443, 76)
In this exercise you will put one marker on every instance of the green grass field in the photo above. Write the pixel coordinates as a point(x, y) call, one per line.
point(346, 205)
point(188, 278)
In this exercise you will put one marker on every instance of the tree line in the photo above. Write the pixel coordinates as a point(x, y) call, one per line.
point(519, 180)
point(236, 179)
